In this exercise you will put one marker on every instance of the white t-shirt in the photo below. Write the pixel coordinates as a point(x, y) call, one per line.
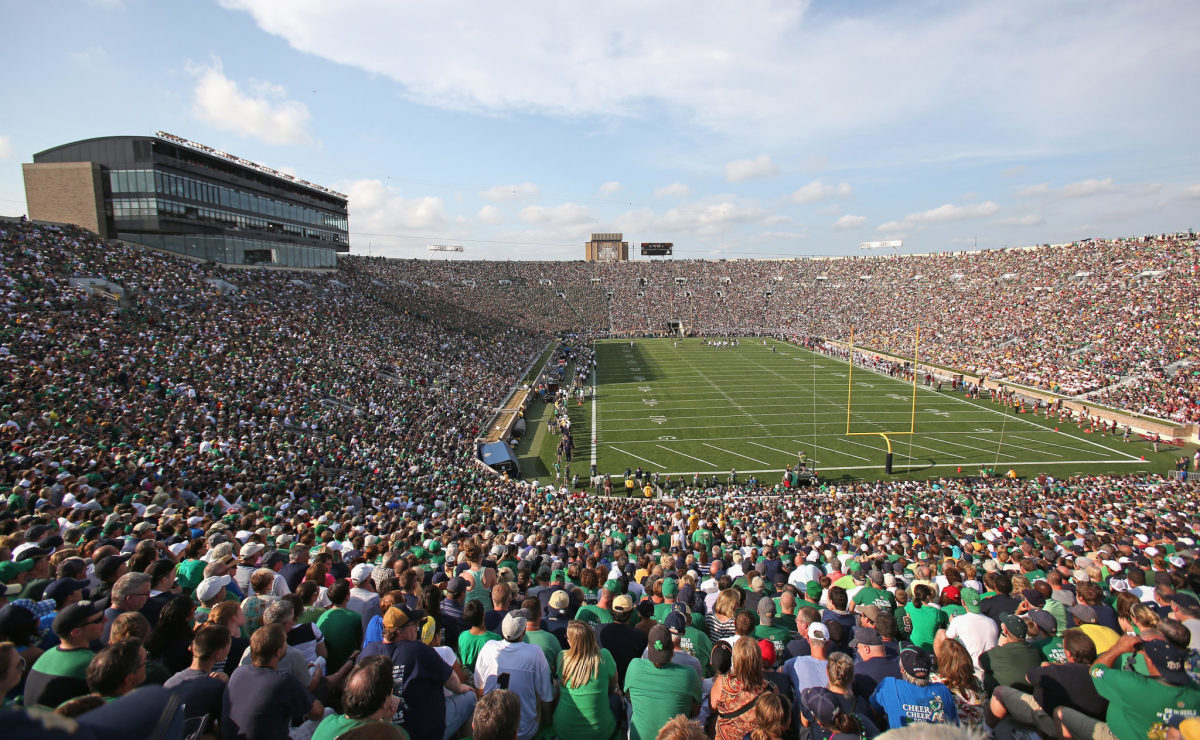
point(528, 677)
point(977, 633)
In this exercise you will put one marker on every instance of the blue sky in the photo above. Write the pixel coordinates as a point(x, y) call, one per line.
point(750, 128)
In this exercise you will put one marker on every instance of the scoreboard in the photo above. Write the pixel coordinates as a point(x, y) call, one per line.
point(657, 249)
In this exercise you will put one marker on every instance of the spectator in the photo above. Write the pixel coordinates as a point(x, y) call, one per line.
point(419, 676)
point(519, 667)
point(1009, 662)
point(200, 686)
point(589, 690)
point(61, 672)
point(912, 697)
point(659, 689)
point(117, 669)
point(497, 716)
point(956, 671)
point(129, 594)
point(734, 695)
point(1067, 684)
point(368, 701)
point(471, 642)
point(261, 701)
point(341, 627)
point(621, 639)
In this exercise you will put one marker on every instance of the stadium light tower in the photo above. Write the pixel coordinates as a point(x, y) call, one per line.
point(894, 245)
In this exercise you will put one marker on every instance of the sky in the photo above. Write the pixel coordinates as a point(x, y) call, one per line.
point(731, 129)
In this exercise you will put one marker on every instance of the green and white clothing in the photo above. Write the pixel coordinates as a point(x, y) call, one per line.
point(658, 694)
point(1138, 704)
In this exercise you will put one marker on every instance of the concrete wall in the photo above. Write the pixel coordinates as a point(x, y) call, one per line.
point(66, 192)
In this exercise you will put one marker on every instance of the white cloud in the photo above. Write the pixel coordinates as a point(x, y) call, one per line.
point(817, 190)
point(567, 214)
point(1030, 220)
point(1013, 171)
point(1081, 189)
point(1087, 187)
point(761, 67)
point(849, 222)
point(500, 193)
point(6, 151)
point(741, 170)
point(377, 210)
point(610, 188)
point(941, 214)
point(709, 218)
point(267, 116)
point(490, 215)
point(1192, 192)
point(674, 190)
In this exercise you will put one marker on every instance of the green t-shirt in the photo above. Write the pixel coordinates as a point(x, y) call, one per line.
point(875, 596)
point(698, 645)
point(954, 610)
point(702, 538)
point(658, 694)
point(1052, 649)
point(469, 646)
point(1138, 704)
point(779, 636)
point(661, 611)
point(59, 662)
point(584, 712)
point(548, 643)
point(926, 621)
point(189, 573)
point(336, 725)
point(596, 614)
point(343, 635)
point(1006, 665)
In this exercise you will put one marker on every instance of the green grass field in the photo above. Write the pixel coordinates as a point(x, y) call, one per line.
point(692, 408)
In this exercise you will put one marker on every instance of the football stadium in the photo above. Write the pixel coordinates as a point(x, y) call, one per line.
point(390, 450)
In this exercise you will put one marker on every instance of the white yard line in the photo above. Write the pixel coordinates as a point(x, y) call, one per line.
point(595, 417)
point(677, 452)
point(737, 454)
point(985, 463)
point(627, 452)
point(830, 449)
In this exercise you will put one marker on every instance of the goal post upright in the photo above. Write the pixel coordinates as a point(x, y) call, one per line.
point(912, 424)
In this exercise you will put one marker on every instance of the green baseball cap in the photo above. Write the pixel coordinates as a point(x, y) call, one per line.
point(970, 599)
point(11, 569)
point(613, 586)
point(813, 589)
point(670, 587)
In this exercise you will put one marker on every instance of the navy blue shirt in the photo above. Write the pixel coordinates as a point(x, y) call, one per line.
point(418, 675)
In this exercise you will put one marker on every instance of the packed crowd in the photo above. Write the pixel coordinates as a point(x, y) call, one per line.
point(1071, 318)
point(256, 514)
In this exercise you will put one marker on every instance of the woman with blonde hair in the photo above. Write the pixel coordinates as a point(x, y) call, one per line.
point(589, 677)
point(734, 695)
point(957, 672)
point(720, 621)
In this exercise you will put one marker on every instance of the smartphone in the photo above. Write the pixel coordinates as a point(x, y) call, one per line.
point(502, 681)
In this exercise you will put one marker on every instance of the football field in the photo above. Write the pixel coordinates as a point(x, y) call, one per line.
point(692, 408)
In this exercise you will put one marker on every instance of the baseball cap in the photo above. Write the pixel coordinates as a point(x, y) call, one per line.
point(560, 601)
point(10, 569)
point(1083, 614)
point(1169, 659)
point(622, 604)
point(456, 585)
point(766, 649)
point(823, 705)
point(212, 586)
point(818, 631)
point(1015, 626)
point(915, 662)
point(250, 549)
point(613, 586)
point(870, 611)
point(107, 567)
point(513, 626)
point(64, 587)
point(765, 608)
point(1185, 601)
point(970, 599)
point(1043, 619)
point(659, 646)
point(670, 587)
point(360, 572)
point(676, 623)
point(1034, 597)
point(399, 616)
point(16, 619)
point(75, 615)
point(813, 590)
point(866, 636)
point(952, 593)
point(558, 575)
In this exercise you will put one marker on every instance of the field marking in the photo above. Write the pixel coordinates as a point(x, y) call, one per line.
point(986, 463)
point(626, 452)
point(738, 454)
point(1023, 447)
point(1035, 441)
point(834, 451)
point(728, 398)
point(595, 401)
point(677, 452)
point(766, 447)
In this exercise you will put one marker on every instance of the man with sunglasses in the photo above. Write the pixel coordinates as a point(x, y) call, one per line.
point(61, 672)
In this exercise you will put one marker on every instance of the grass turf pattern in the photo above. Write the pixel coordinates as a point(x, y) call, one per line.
point(693, 408)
